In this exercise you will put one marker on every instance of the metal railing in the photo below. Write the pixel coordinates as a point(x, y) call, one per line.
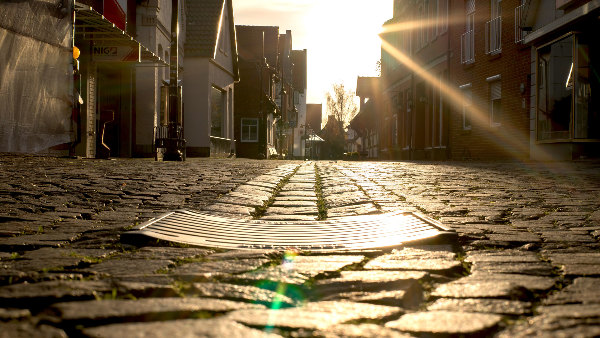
point(519, 32)
point(467, 47)
point(220, 147)
point(493, 36)
point(161, 136)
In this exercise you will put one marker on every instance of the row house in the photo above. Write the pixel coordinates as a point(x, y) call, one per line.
point(491, 79)
point(284, 97)
point(565, 76)
point(492, 82)
point(372, 120)
point(117, 76)
point(415, 62)
point(455, 81)
point(256, 111)
point(300, 82)
point(97, 84)
point(270, 100)
point(90, 86)
point(211, 61)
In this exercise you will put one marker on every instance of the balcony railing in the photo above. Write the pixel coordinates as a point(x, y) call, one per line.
point(493, 36)
point(519, 32)
point(467, 47)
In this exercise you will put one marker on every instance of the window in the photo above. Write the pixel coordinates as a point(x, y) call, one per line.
point(442, 16)
point(496, 103)
point(555, 98)
point(466, 107)
point(423, 24)
point(435, 7)
point(493, 29)
point(217, 109)
point(566, 108)
point(467, 40)
point(519, 32)
point(249, 130)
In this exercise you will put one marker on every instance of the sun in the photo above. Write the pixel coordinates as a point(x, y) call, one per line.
point(344, 42)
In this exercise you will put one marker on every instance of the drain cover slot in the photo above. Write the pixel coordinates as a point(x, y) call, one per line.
point(348, 233)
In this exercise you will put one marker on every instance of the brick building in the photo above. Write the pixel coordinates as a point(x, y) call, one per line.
point(456, 81)
point(490, 69)
point(415, 62)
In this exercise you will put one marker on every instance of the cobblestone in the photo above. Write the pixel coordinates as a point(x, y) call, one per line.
point(526, 261)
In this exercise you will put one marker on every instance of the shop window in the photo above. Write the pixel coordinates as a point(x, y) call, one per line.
point(249, 129)
point(555, 90)
point(587, 89)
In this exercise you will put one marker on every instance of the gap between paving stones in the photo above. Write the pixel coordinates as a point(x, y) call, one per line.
point(260, 211)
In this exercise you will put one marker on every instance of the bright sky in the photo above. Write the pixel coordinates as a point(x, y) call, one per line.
point(341, 36)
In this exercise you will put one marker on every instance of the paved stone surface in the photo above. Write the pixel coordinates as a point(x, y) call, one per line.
point(484, 305)
point(248, 293)
point(178, 328)
point(446, 322)
point(526, 262)
point(142, 309)
point(317, 315)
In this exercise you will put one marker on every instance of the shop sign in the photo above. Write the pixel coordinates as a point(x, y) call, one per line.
point(105, 53)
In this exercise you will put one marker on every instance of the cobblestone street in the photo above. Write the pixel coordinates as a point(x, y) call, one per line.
point(527, 260)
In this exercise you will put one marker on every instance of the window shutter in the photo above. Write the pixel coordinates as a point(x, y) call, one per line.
point(470, 6)
point(495, 90)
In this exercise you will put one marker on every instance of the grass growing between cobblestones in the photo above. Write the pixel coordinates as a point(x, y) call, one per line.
point(260, 211)
point(321, 204)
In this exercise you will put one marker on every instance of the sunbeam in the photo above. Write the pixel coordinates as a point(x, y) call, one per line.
point(514, 146)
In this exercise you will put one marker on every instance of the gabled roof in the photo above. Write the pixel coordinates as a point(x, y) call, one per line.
point(258, 42)
point(203, 18)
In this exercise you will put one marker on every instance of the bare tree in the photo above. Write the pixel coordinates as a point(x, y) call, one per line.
point(341, 105)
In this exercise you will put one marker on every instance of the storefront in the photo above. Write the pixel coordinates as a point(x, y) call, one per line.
point(105, 76)
point(565, 95)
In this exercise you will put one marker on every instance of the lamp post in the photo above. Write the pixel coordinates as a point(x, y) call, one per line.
point(175, 144)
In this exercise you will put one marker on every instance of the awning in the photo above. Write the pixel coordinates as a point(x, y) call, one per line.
point(110, 42)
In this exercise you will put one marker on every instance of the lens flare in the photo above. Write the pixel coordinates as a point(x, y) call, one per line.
point(282, 290)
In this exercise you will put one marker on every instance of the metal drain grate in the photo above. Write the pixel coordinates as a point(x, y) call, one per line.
point(348, 233)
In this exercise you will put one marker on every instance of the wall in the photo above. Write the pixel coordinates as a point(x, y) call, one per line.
point(196, 94)
point(36, 81)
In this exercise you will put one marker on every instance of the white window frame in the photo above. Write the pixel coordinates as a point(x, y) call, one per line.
point(493, 29)
point(468, 37)
point(519, 32)
point(248, 125)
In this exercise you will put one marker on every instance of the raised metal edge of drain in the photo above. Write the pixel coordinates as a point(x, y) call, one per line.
point(339, 234)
